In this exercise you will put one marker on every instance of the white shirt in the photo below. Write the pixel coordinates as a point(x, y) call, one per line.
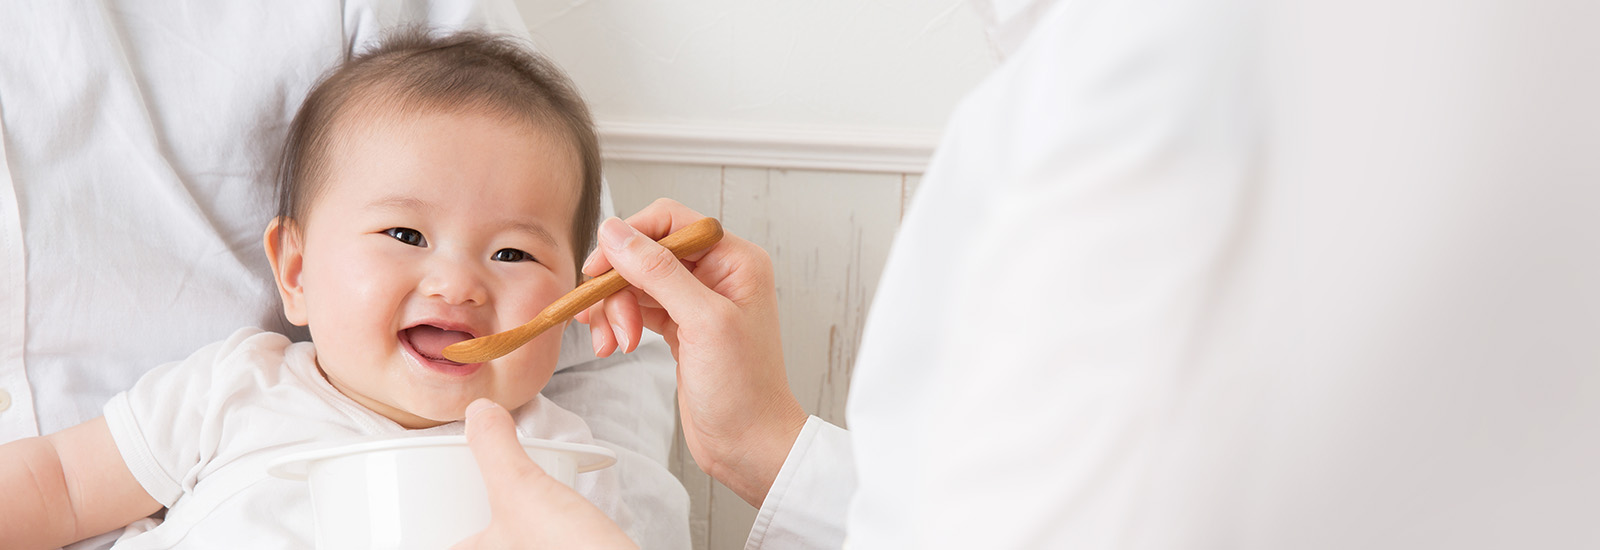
point(198, 434)
point(140, 140)
point(1240, 274)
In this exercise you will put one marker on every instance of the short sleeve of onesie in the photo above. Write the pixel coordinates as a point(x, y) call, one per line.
point(167, 424)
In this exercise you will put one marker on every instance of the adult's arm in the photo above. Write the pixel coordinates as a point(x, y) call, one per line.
point(808, 501)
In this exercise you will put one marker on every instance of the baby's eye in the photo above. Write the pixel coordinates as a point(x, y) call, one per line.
point(512, 255)
point(408, 236)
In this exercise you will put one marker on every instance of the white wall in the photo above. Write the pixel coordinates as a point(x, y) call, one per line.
point(829, 78)
point(804, 126)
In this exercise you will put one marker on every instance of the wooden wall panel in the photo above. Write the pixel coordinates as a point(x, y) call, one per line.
point(634, 185)
point(828, 234)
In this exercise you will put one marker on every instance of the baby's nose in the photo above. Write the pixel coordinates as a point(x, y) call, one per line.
point(457, 283)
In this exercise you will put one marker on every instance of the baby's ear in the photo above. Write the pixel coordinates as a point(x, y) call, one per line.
point(286, 253)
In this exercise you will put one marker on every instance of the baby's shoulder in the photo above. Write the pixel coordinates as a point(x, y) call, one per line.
point(252, 340)
point(248, 355)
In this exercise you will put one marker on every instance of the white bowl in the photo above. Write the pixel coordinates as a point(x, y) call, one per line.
point(417, 492)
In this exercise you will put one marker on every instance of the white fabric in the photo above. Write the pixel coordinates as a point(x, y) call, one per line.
point(1008, 22)
point(796, 516)
point(198, 435)
point(139, 142)
point(1246, 274)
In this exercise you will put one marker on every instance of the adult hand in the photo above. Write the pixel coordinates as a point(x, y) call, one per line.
point(718, 311)
point(528, 508)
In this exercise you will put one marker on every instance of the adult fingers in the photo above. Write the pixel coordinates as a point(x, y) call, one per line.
point(600, 330)
point(655, 270)
point(651, 318)
point(657, 320)
point(528, 508)
point(492, 436)
point(658, 220)
point(639, 297)
point(644, 300)
point(736, 269)
point(622, 314)
point(614, 322)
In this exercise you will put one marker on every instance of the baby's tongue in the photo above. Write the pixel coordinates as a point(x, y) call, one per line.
point(430, 340)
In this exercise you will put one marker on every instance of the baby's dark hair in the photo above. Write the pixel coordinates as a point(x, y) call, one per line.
point(415, 70)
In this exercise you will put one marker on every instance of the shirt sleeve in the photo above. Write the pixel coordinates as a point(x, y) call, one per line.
point(160, 425)
point(807, 504)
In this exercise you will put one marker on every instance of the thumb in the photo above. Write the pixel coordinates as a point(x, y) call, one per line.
point(492, 436)
point(654, 269)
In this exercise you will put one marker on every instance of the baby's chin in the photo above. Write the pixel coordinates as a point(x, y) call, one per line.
point(441, 412)
point(413, 421)
point(417, 416)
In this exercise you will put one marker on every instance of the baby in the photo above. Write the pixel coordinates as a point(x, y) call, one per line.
point(433, 189)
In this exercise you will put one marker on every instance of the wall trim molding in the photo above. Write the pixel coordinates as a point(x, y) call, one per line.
point(851, 151)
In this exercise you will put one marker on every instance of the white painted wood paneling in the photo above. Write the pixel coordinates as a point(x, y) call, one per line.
point(634, 185)
point(850, 150)
point(828, 234)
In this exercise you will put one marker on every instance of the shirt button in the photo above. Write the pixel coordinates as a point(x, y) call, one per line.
point(5, 399)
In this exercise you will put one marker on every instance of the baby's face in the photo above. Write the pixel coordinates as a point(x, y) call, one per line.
point(432, 229)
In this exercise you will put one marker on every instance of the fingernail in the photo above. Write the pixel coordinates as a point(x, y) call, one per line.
point(594, 339)
point(588, 262)
point(622, 338)
point(479, 405)
point(616, 233)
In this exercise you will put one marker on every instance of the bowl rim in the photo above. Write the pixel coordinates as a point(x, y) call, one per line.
point(294, 465)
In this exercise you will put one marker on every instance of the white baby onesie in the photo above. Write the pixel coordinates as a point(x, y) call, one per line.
point(199, 433)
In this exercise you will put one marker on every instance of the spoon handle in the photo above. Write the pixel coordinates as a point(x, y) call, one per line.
point(692, 238)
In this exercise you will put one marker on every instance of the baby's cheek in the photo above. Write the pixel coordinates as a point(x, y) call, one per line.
point(353, 281)
point(528, 370)
point(537, 299)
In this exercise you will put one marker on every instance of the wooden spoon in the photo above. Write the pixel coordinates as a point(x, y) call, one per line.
point(693, 238)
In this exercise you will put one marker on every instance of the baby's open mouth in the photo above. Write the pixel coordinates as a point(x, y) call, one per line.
point(430, 341)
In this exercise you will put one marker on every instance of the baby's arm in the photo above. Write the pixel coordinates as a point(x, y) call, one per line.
point(67, 486)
